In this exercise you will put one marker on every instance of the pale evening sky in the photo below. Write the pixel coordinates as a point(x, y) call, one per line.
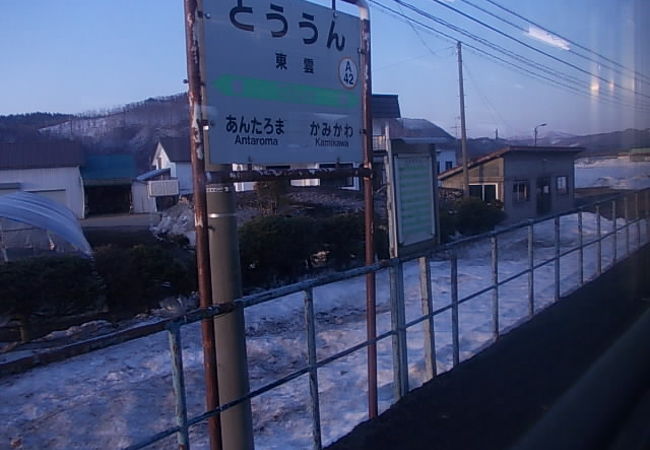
point(72, 56)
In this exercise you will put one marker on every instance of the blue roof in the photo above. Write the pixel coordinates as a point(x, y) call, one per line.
point(152, 174)
point(117, 166)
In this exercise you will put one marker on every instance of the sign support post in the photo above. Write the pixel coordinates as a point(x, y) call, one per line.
point(219, 270)
point(369, 205)
point(191, 9)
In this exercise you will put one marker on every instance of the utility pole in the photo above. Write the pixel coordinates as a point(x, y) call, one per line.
point(200, 219)
point(216, 224)
point(463, 130)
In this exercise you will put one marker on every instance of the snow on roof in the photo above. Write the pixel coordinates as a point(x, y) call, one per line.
point(44, 213)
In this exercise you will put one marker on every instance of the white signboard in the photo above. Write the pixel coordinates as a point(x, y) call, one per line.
point(162, 188)
point(282, 82)
point(414, 199)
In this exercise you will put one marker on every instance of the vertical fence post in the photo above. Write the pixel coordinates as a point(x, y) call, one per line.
point(531, 269)
point(400, 357)
point(178, 379)
point(495, 282)
point(454, 308)
point(557, 258)
point(647, 215)
point(626, 212)
point(615, 227)
point(310, 326)
point(581, 255)
point(599, 246)
point(427, 309)
point(637, 217)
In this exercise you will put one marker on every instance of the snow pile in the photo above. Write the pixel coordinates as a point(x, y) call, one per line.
point(177, 220)
point(117, 396)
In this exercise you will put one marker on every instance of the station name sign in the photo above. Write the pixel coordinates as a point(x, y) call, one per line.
point(282, 82)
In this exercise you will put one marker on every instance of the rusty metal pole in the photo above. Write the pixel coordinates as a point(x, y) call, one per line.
point(201, 218)
point(369, 206)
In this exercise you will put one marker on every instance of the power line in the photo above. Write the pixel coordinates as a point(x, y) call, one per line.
point(539, 66)
point(572, 51)
point(485, 99)
point(493, 46)
point(508, 64)
point(542, 52)
point(415, 30)
point(568, 40)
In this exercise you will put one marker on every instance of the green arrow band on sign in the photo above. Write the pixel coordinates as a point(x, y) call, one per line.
point(276, 91)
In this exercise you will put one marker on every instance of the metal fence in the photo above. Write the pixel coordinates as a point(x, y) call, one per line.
point(628, 230)
point(631, 209)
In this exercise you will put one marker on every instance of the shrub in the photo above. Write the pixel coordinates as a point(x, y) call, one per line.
point(48, 286)
point(138, 277)
point(447, 225)
point(273, 247)
point(343, 238)
point(474, 216)
point(271, 195)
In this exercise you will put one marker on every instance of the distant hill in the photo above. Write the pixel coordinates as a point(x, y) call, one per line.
point(135, 128)
point(595, 144)
point(24, 127)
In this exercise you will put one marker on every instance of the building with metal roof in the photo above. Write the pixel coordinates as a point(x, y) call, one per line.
point(527, 181)
point(47, 168)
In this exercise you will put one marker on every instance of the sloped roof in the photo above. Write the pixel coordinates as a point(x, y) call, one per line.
point(385, 106)
point(177, 148)
point(511, 149)
point(40, 155)
point(44, 213)
point(152, 174)
point(417, 128)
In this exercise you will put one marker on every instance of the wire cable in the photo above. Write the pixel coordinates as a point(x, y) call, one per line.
point(605, 58)
point(523, 60)
point(500, 60)
point(572, 51)
point(542, 52)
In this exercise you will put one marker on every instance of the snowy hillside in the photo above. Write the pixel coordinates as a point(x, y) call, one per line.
point(117, 396)
point(615, 173)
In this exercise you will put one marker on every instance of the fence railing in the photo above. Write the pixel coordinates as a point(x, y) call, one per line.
point(627, 230)
point(633, 215)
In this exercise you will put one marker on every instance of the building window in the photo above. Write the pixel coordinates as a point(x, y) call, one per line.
point(486, 192)
point(448, 165)
point(562, 185)
point(337, 182)
point(521, 191)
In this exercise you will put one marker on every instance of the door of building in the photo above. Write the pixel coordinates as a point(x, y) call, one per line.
point(543, 196)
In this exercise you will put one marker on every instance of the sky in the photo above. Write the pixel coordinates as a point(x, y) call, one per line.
point(72, 56)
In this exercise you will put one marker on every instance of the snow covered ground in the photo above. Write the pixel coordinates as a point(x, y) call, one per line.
point(616, 173)
point(117, 396)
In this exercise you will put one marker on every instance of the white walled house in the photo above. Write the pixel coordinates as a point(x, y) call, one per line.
point(49, 169)
point(174, 154)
